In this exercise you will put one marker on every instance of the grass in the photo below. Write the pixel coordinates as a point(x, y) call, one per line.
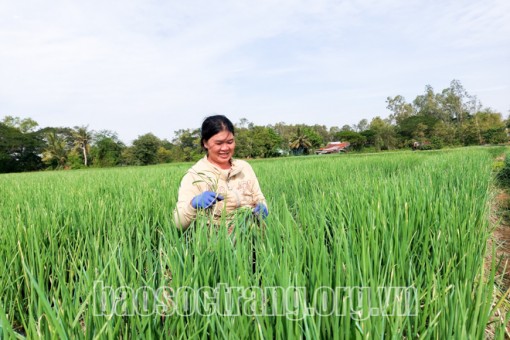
point(342, 230)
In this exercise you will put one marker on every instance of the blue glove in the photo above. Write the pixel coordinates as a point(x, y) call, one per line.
point(260, 210)
point(205, 200)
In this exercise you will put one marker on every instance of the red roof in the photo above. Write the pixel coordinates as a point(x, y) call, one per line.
point(333, 147)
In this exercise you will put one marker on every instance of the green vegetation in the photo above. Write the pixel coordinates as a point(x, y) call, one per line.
point(503, 168)
point(450, 118)
point(362, 222)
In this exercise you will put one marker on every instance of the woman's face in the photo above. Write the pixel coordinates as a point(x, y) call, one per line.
point(220, 148)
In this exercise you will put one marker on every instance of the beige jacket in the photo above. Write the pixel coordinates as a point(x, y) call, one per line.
point(238, 185)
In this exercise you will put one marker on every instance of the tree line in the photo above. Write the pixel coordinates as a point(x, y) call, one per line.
point(433, 120)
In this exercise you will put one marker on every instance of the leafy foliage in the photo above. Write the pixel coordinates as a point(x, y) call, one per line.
point(451, 117)
point(300, 144)
point(503, 175)
point(19, 151)
point(56, 152)
point(107, 149)
point(82, 139)
point(145, 150)
point(357, 140)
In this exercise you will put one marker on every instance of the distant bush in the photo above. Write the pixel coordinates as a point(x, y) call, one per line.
point(436, 143)
point(426, 146)
point(503, 176)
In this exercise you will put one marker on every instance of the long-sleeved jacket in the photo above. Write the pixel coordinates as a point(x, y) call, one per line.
point(238, 185)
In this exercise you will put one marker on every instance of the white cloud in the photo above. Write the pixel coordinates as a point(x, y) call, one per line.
point(136, 66)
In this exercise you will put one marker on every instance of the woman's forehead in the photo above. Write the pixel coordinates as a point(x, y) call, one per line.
point(222, 135)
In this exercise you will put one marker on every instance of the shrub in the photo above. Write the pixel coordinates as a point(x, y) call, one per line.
point(504, 174)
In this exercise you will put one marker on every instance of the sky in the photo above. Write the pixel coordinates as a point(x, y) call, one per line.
point(136, 66)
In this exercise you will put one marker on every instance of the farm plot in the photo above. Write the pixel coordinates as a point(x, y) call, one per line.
point(389, 245)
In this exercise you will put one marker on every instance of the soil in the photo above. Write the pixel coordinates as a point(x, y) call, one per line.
point(500, 219)
point(501, 237)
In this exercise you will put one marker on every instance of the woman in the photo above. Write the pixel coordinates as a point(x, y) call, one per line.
point(218, 183)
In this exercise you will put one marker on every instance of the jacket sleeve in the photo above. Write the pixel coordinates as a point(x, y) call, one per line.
point(184, 213)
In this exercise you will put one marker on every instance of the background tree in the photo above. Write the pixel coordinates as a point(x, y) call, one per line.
point(399, 108)
point(128, 156)
point(165, 152)
point(286, 133)
point(450, 117)
point(416, 128)
point(187, 145)
point(370, 137)
point(323, 132)
point(384, 134)
point(82, 139)
point(357, 140)
point(20, 145)
point(362, 125)
point(163, 155)
point(106, 149)
point(56, 152)
point(24, 125)
point(483, 128)
point(445, 133)
point(145, 149)
point(265, 142)
point(332, 131)
point(313, 137)
point(317, 135)
point(300, 144)
point(457, 104)
point(507, 120)
point(244, 124)
point(19, 151)
point(429, 104)
point(244, 143)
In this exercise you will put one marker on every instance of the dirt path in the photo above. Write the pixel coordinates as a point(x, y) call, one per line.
point(500, 218)
point(501, 237)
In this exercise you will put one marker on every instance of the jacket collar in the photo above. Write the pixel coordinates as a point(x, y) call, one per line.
point(234, 170)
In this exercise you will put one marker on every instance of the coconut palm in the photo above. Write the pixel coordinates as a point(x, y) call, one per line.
point(82, 138)
point(56, 150)
point(300, 143)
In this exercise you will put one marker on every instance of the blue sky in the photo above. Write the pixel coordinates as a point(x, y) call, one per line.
point(158, 66)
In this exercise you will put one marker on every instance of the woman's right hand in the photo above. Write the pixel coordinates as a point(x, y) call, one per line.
point(205, 200)
point(260, 211)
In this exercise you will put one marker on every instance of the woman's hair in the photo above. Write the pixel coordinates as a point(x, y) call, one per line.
point(214, 124)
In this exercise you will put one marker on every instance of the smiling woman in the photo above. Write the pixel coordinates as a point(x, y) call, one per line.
point(218, 184)
point(220, 145)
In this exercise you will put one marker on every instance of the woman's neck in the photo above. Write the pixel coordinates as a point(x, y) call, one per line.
point(224, 166)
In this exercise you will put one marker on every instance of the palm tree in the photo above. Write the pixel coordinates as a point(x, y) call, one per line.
point(82, 139)
point(56, 151)
point(300, 143)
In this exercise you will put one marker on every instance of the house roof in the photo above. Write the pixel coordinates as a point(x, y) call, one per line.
point(336, 145)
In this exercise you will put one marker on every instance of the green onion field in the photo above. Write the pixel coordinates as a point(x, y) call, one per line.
point(389, 245)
